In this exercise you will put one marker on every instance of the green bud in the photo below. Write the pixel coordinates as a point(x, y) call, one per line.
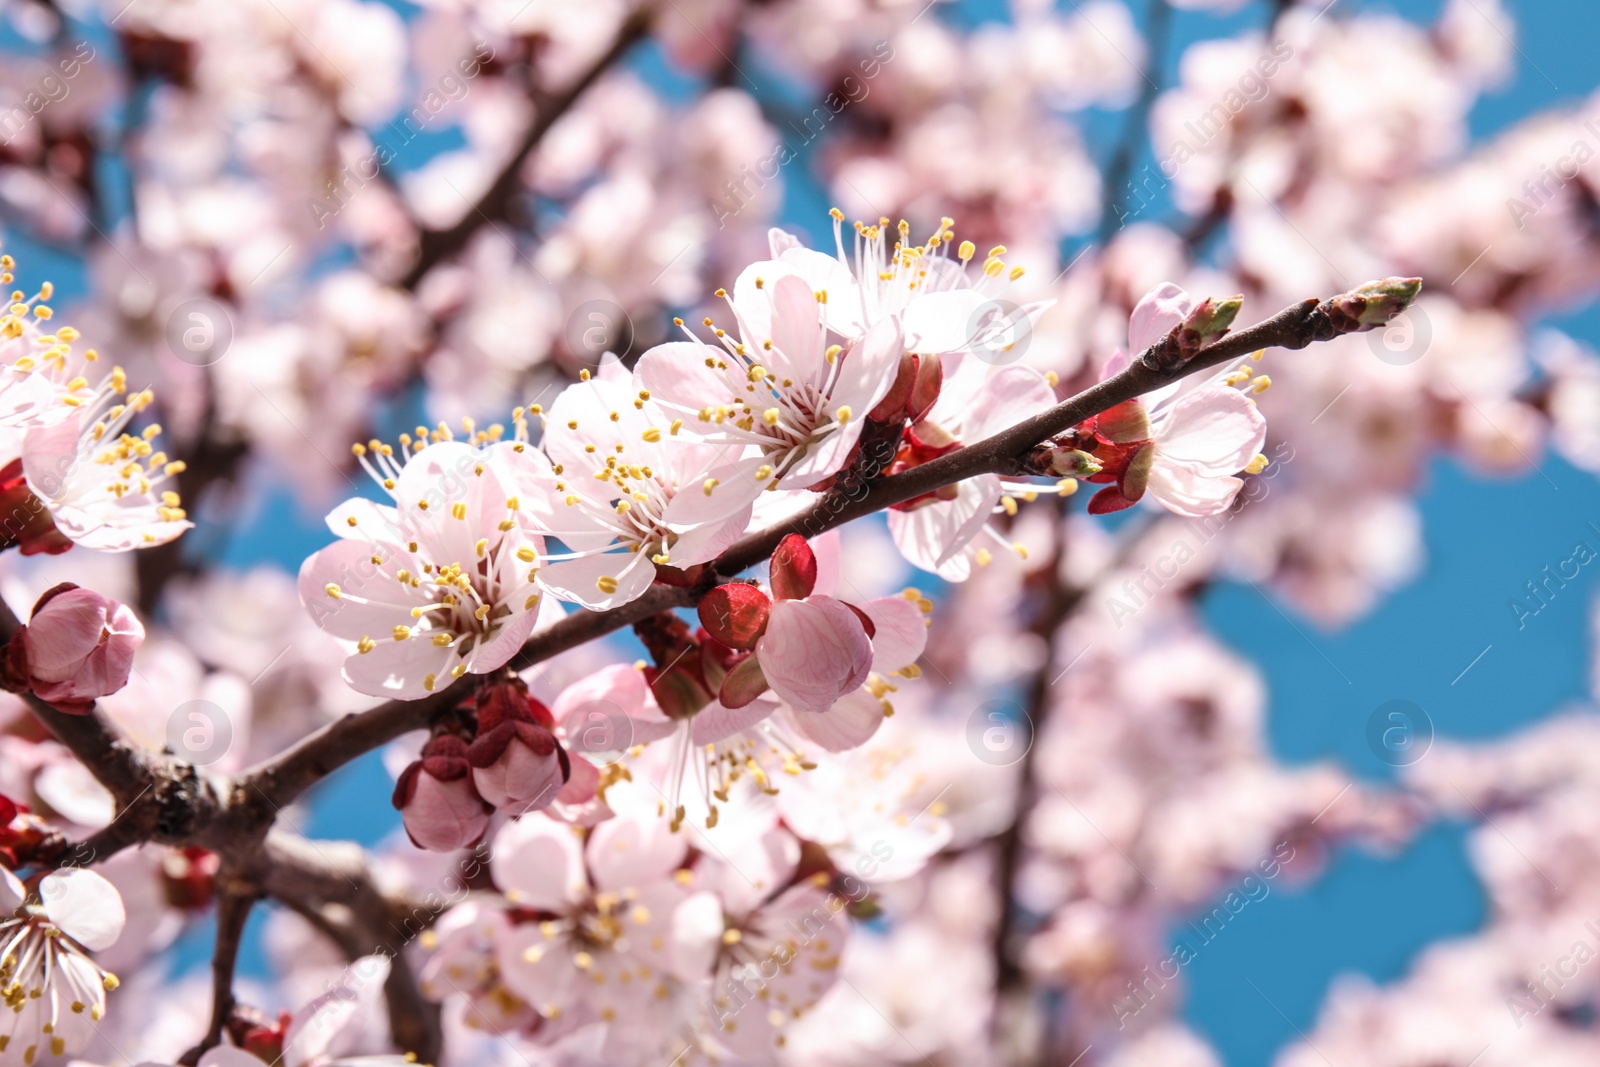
point(1375, 303)
point(1072, 463)
point(1212, 318)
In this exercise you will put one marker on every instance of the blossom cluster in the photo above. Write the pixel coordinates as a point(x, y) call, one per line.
point(687, 768)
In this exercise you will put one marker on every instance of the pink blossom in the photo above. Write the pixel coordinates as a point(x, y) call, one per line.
point(790, 401)
point(809, 649)
point(516, 759)
point(1183, 444)
point(625, 495)
point(437, 800)
point(79, 646)
point(940, 532)
point(439, 584)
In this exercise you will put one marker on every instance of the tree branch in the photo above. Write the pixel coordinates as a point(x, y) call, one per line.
point(233, 911)
point(1135, 130)
point(284, 777)
point(331, 886)
point(435, 246)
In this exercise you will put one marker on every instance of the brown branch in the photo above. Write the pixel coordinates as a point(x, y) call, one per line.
point(233, 911)
point(435, 246)
point(117, 763)
point(278, 781)
point(1061, 601)
point(284, 777)
point(330, 885)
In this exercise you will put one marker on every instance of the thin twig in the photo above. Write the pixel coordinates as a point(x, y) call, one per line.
point(1136, 127)
point(233, 912)
point(435, 246)
point(331, 885)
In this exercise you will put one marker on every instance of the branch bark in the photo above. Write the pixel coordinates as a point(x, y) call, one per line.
point(435, 246)
point(233, 911)
point(331, 886)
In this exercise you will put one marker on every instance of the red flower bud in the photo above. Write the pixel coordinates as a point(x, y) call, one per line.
point(437, 799)
point(930, 379)
point(38, 531)
point(1125, 422)
point(517, 763)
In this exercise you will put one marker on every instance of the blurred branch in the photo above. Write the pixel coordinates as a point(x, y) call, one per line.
point(1061, 602)
point(212, 460)
point(1201, 229)
point(330, 885)
point(233, 911)
point(435, 246)
point(1136, 128)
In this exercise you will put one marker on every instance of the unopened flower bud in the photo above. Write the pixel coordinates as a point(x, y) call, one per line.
point(1211, 319)
point(78, 646)
point(516, 759)
point(794, 569)
point(438, 800)
point(735, 614)
point(1375, 303)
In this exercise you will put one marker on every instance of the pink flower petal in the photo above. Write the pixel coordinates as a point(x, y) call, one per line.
point(1214, 430)
point(86, 907)
point(814, 651)
point(1155, 315)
